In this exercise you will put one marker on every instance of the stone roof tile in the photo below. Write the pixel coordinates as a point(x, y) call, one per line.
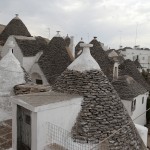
point(30, 47)
point(128, 88)
point(129, 68)
point(55, 60)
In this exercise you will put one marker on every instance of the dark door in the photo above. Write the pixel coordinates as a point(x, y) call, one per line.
point(23, 129)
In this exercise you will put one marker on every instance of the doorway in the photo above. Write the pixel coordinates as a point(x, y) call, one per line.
point(23, 129)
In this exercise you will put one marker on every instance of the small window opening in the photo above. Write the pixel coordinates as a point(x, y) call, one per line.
point(38, 81)
point(133, 106)
point(142, 100)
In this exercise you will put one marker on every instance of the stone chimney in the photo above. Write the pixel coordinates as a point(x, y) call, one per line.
point(95, 38)
point(16, 16)
point(71, 46)
point(115, 70)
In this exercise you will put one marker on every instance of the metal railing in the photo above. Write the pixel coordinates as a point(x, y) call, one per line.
point(61, 139)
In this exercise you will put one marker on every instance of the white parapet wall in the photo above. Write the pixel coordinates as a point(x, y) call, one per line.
point(143, 132)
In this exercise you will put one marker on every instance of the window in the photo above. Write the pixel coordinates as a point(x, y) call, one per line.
point(133, 105)
point(38, 81)
point(12, 50)
point(143, 58)
point(142, 100)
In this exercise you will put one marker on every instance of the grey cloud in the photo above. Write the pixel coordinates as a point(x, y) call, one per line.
point(102, 18)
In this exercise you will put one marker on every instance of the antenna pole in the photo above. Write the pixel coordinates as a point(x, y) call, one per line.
point(136, 34)
point(120, 37)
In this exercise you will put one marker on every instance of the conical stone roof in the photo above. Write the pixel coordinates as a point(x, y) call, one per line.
point(14, 27)
point(128, 67)
point(55, 60)
point(102, 112)
point(101, 57)
point(127, 87)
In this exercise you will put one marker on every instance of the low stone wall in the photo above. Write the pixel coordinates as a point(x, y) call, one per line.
point(30, 88)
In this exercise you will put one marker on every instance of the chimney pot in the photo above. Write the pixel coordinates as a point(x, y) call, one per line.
point(58, 35)
point(17, 15)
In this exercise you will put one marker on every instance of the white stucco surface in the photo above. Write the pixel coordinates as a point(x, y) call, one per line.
point(4, 115)
point(36, 69)
point(5, 108)
point(63, 117)
point(85, 61)
point(143, 132)
point(11, 73)
point(16, 50)
point(28, 62)
point(140, 110)
point(139, 114)
point(127, 105)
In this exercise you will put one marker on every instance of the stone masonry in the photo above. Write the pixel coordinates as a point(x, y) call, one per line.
point(102, 112)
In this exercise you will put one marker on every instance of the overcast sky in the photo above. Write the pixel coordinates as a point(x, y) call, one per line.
point(112, 21)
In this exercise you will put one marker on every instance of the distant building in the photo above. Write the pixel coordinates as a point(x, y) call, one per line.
point(134, 97)
point(137, 53)
point(115, 56)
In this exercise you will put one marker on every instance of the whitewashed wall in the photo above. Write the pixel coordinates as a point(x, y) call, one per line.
point(63, 117)
point(127, 105)
point(62, 114)
point(28, 62)
point(140, 109)
point(143, 132)
point(16, 50)
point(36, 69)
